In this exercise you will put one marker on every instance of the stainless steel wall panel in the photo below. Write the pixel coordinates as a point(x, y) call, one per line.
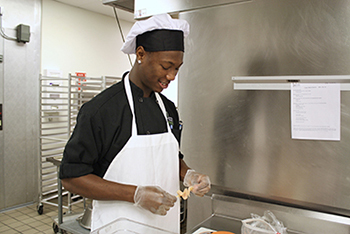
point(2, 179)
point(15, 131)
point(242, 139)
point(154, 7)
point(20, 102)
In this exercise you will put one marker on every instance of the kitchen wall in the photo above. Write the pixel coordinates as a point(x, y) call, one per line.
point(63, 38)
point(74, 39)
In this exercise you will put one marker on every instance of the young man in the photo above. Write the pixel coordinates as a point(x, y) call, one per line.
point(124, 151)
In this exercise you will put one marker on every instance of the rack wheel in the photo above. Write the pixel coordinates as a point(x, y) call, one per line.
point(55, 227)
point(40, 209)
point(57, 230)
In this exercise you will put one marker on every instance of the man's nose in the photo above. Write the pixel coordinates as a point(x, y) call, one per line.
point(171, 75)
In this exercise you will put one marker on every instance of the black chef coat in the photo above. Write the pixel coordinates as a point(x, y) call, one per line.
point(104, 126)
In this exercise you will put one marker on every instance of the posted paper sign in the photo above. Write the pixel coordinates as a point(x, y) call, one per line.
point(315, 111)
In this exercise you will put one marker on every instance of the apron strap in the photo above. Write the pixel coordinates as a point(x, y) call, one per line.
point(131, 104)
point(162, 107)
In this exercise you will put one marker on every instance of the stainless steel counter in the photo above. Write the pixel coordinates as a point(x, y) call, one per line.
point(224, 223)
point(219, 223)
point(67, 222)
point(227, 213)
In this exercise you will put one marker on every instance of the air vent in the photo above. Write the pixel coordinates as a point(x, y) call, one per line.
point(126, 5)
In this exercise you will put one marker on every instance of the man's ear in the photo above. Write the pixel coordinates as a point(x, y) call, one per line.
point(140, 53)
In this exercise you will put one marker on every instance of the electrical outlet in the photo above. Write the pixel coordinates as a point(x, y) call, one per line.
point(23, 33)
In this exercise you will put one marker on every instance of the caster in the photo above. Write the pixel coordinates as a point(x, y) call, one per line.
point(55, 228)
point(40, 209)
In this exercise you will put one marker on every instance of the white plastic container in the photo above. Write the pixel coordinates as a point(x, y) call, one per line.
point(127, 226)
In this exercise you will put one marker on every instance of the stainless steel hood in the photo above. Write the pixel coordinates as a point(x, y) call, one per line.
point(153, 7)
point(127, 5)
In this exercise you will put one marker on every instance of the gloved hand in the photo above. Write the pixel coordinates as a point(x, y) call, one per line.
point(154, 199)
point(200, 182)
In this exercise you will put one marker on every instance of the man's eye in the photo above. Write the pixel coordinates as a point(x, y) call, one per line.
point(165, 68)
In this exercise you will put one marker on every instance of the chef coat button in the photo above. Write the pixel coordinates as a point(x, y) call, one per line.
point(148, 133)
point(140, 99)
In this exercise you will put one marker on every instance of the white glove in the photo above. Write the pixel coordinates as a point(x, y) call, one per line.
point(200, 182)
point(154, 199)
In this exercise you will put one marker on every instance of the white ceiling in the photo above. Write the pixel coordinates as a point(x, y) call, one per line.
point(98, 7)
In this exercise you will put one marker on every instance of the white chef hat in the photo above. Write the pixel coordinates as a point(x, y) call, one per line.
point(158, 33)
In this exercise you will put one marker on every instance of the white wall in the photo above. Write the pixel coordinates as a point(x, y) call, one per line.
point(74, 40)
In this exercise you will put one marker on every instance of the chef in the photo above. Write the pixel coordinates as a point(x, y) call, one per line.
point(124, 151)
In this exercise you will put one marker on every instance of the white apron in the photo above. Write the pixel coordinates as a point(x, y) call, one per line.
point(144, 160)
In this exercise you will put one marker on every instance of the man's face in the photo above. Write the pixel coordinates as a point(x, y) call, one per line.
point(159, 69)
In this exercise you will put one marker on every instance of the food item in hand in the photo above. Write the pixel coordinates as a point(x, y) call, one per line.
point(223, 232)
point(218, 232)
point(185, 194)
